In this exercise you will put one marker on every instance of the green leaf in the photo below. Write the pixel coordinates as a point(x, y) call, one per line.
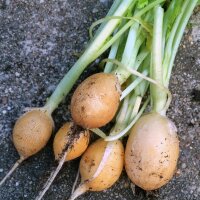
point(172, 12)
point(142, 3)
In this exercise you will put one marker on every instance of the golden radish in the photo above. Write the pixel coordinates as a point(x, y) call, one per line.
point(30, 134)
point(100, 166)
point(69, 143)
point(152, 151)
point(96, 100)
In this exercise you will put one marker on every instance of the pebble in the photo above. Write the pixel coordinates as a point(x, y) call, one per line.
point(4, 112)
point(183, 165)
point(17, 183)
point(94, 10)
point(8, 108)
point(17, 74)
point(1, 170)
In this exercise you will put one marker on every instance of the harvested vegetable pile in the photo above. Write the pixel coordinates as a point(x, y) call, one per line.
point(143, 38)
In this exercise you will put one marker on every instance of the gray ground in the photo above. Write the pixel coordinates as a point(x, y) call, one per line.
point(38, 40)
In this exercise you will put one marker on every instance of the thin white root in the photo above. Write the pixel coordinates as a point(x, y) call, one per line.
point(82, 188)
point(12, 170)
point(75, 182)
point(51, 178)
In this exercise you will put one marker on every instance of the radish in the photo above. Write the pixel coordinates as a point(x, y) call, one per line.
point(30, 134)
point(69, 143)
point(100, 166)
point(96, 100)
point(152, 149)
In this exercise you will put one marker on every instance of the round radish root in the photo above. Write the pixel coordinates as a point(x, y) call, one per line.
point(32, 132)
point(109, 155)
point(70, 138)
point(100, 166)
point(152, 151)
point(96, 100)
point(69, 143)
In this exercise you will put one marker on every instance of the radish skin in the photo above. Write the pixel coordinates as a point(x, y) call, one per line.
point(70, 138)
point(152, 151)
point(30, 134)
point(100, 166)
point(96, 100)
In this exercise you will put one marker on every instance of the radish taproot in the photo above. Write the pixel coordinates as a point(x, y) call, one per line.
point(100, 166)
point(72, 138)
point(69, 143)
point(96, 100)
point(30, 134)
point(152, 151)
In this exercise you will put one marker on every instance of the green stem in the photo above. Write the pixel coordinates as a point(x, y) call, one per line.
point(180, 31)
point(112, 55)
point(135, 109)
point(121, 72)
point(130, 44)
point(122, 133)
point(131, 106)
point(133, 44)
point(132, 86)
point(140, 58)
point(137, 95)
point(98, 132)
point(122, 113)
point(168, 46)
point(120, 122)
point(112, 10)
point(159, 97)
point(171, 14)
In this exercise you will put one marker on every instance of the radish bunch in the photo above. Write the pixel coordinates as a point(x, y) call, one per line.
point(143, 37)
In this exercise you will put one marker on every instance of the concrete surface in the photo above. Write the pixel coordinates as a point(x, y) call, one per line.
point(38, 40)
